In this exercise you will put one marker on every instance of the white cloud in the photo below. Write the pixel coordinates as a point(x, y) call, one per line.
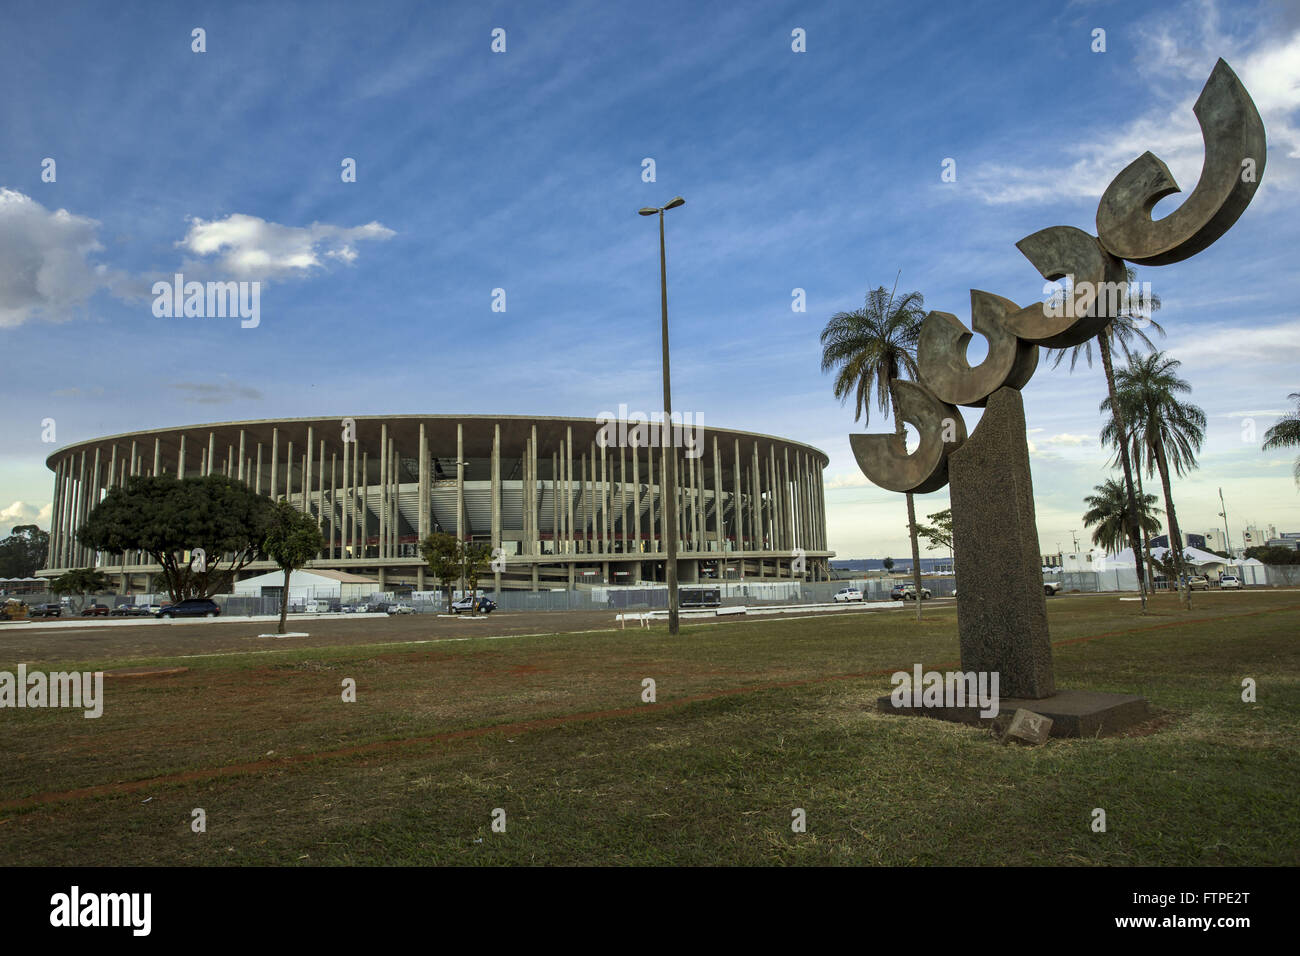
point(1183, 50)
point(1065, 438)
point(248, 247)
point(20, 512)
point(848, 481)
point(47, 271)
point(1270, 344)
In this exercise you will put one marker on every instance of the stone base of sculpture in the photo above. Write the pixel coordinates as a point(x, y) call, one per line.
point(1074, 713)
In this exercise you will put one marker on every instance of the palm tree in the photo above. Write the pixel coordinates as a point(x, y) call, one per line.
point(1108, 510)
point(1170, 430)
point(1109, 436)
point(871, 349)
point(1127, 327)
point(1286, 433)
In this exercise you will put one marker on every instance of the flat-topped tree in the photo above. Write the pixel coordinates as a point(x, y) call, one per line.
point(80, 581)
point(200, 531)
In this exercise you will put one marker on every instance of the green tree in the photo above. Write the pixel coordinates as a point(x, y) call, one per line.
point(23, 553)
point(474, 560)
point(1125, 330)
point(1285, 433)
point(938, 534)
point(80, 581)
point(441, 551)
point(1274, 554)
point(870, 350)
point(1169, 431)
point(292, 539)
point(173, 520)
point(1108, 512)
point(888, 564)
point(1110, 436)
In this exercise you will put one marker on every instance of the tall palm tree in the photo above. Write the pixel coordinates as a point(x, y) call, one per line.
point(1285, 433)
point(870, 350)
point(1109, 437)
point(1125, 331)
point(1127, 328)
point(1171, 431)
point(1108, 510)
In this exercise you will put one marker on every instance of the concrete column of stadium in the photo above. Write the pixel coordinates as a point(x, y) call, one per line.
point(496, 504)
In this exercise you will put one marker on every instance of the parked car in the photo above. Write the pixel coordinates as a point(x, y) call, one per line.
point(152, 609)
point(45, 610)
point(847, 594)
point(483, 605)
point(124, 610)
point(192, 607)
point(1052, 587)
point(95, 610)
point(400, 609)
point(907, 592)
point(1230, 582)
point(1198, 582)
point(318, 607)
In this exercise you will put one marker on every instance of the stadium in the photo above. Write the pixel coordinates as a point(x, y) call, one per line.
point(563, 502)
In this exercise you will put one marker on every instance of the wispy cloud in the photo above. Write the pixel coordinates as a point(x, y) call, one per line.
point(205, 393)
point(1173, 53)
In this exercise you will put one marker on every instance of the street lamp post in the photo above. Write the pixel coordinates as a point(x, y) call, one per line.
point(668, 502)
point(1227, 541)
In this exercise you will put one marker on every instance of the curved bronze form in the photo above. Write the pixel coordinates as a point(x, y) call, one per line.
point(1234, 162)
point(941, 353)
point(884, 458)
point(1099, 282)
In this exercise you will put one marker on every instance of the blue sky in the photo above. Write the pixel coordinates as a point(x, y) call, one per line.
point(522, 170)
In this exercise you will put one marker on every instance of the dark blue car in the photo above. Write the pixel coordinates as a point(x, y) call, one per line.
point(192, 607)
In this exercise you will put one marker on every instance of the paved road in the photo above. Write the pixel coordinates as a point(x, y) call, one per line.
point(118, 639)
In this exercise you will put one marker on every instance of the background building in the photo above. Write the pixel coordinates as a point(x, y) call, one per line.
point(1190, 540)
point(557, 509)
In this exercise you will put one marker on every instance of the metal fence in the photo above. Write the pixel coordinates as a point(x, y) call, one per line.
point(1087, 582)
point(732, 593)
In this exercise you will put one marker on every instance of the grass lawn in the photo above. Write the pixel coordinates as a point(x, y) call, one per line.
point(753, 719)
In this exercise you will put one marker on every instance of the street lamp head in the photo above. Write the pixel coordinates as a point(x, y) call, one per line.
point(675, 202)
point(647, 211)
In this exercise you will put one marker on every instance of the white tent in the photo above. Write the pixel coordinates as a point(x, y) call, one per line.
point(308, 584)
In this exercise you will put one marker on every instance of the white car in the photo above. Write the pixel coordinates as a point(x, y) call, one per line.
point(1230, 581)
point(844, 595)
point(400, 609)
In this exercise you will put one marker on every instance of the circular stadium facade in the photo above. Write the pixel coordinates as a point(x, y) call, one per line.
point(561, 501)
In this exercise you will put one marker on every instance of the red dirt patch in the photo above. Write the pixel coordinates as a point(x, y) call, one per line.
point(146, 672)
